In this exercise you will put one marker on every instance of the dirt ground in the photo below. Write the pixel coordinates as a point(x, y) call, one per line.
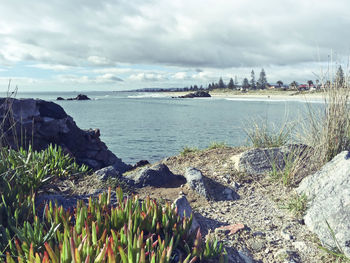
point(271, 232)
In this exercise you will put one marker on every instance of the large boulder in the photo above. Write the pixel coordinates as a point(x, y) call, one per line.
point(328, 192)
point(259, 161)
point(158, 176)
point(40, 123)
point(195, 180)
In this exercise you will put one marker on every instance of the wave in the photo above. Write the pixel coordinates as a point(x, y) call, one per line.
point(276, 100)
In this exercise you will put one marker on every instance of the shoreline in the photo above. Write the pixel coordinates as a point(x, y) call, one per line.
point(288, 96)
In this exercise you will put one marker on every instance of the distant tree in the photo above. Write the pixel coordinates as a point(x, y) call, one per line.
point(236, 80)
point(262, 81)
point(231, 85)
point(245, 83)
point(280, 83)
point(191, 88)
point(195, 87)
point(339, 77)
point(210, 87)
point(294, 84)
point(310, 83)
point(221, 84)
point(252, 80)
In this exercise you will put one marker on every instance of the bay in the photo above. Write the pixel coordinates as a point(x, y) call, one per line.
point(153, 126)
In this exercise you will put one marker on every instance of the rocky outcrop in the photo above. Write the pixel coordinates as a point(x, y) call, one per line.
point(259, 161)
point(197, 94)
point(79, 97)
point(158, 176)
point(40, 123)
point(195, 181)
point(328, 192)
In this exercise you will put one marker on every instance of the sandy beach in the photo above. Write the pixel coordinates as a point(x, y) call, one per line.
point(260, 95)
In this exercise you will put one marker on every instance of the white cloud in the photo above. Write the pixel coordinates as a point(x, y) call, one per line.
point(51, 67)
point(99, 61)
point(180, 75)
point(147, 77)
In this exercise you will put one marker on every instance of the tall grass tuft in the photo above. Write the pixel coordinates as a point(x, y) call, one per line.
point(260, 135)
point(328, 131)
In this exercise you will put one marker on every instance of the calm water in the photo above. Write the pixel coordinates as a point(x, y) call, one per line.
point(138, 126)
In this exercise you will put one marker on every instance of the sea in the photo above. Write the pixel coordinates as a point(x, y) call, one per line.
point(152, 126)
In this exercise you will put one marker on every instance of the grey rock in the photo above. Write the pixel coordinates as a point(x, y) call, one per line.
point(40, 123)
point(245, 257)
point(107, 172)
point(328, 191)
point(260, 161)
point(184, 209)
point(68, 201)
point(194, 179)
point(158, 176)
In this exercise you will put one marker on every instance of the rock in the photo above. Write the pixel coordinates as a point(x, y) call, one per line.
point(245, 256)
point(184, 208)
point(107, 172)
point(197, 94)
point(328, 192)
point(229, 194)
point(140, 164)
point(194, 179)
point(157, 176)
point(79, 97)
point(82, 97)
point(40, 123)
point(259, 161)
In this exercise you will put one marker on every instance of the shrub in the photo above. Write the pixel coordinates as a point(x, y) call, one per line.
point(217, 145)
point(188, 150)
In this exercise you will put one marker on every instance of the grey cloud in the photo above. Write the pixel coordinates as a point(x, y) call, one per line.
point(217, 34)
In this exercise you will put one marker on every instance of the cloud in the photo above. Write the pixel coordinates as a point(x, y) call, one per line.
point(108, 78)
point(160, 40)
point(100, 61)
point(147, 77)
point(218, 33)
point(51, 67)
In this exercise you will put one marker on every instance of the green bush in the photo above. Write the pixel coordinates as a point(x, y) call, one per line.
point(22, 173)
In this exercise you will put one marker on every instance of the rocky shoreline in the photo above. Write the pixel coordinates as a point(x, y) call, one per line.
point(230, 190)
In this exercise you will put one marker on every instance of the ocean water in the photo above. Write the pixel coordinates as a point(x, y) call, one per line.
point(152, 126)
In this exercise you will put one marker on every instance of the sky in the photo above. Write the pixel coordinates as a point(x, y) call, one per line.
point(77, 45)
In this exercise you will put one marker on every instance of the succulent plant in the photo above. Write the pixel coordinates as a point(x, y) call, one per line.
point(131, 231)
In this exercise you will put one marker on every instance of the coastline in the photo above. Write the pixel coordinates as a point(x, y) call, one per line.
point(268, 95)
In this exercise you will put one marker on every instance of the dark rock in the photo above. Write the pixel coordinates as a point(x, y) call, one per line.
point(82, 97)
point(158, 176)
point(328, 192)
point(79, 97)
point(40, 123)
point(197, 94)
point(140, 164)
